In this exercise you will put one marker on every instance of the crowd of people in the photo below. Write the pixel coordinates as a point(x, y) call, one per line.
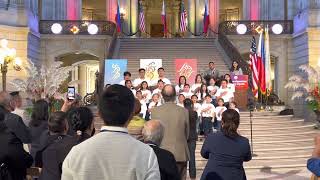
point(149, 132)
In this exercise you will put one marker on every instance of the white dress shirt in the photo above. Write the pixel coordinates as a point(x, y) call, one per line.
point(110, 155)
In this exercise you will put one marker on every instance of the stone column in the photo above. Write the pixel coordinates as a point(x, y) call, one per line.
point(191, 15)
point(251, 9)
point(214, 6)
point(74, 9)
point(314, 4)
point(134, 16)
point(111, 10)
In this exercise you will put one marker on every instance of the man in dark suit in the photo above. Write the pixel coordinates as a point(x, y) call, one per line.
point(14, 122)
point(175, 120)
point(153, 132)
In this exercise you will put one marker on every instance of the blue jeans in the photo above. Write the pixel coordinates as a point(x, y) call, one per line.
point(207, 125)
point(218, 126)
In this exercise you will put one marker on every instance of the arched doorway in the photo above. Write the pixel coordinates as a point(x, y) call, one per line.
point(231, 10)
point(84, 70)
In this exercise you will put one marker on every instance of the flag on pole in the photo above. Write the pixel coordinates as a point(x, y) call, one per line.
point(261, 61)
point(163, 18)
point(142, 25)
point(267, 61)
point(206, 20)
point(183, 18)
point(254, 69)
point(118, 17)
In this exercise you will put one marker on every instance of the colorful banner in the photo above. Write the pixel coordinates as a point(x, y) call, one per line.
point(240, 82)
point(151, 66)
point(113, 70)
point(187, 68)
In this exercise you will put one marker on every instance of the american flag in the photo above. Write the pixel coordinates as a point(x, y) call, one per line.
point(183, 18)
point(142, 25)
point(254, 68)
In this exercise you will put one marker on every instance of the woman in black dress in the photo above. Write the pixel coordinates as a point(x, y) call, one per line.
point(226, 150)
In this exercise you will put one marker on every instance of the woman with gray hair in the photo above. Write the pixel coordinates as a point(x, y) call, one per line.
point(152, 132)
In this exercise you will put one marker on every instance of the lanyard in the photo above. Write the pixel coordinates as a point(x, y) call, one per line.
point(105, 130)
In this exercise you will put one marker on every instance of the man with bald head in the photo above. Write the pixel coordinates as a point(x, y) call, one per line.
point(175, 120)
point(14, 122)
point(152, 132)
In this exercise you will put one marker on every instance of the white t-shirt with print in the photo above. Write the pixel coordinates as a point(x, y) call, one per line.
point(219, 111)
point(147, 93)
point(227, 96)
point(210, 112)
point(138, 82)
point(195, 86)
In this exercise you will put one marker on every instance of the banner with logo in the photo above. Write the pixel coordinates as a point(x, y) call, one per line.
point(240, 81)
point(187, 68)
point(113, 70)
point(151, 66)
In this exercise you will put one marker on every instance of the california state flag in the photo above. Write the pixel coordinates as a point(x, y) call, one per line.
point(163, 18)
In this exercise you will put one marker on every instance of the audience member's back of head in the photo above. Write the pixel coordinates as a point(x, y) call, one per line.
point(153, 131)
point(81, 119)
point(40, 113)
point(116, 105)
point(57, 123)
point(5, 100)
point(169, 93)
point(230, 123)
point(137, 107)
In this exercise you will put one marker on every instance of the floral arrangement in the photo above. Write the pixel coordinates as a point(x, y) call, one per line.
point(306, 87)
point(43, 82)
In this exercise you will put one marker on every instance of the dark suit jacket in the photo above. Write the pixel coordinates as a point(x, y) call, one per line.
point(12, 154)
point(36, 132)
point(16, 125)
point(52, 155)
point(167, 163)
point(226, 156)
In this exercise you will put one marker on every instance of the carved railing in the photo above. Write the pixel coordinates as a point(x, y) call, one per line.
point(230, 27)
point(104, 27)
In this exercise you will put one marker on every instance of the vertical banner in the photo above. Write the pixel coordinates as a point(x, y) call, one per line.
point(151, 66)
point(114, 69)
point(187, 68)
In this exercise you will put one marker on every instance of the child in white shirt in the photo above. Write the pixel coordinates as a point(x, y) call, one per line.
point(146, 93)
point(181, 98)
point(197, 108)
point(233, 105)
point(219, 110)
point(186, 91)
point(208, 114)
point(155, 101)
point(143, 103)
point(224, 92)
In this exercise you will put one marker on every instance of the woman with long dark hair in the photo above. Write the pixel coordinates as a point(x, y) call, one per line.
point(202, 92)
point(226, 150)
point(193, 136)
point(182, 81)
point(235, 69)
point(231, 86)
point(38, 124)
point(197, 83)
point(82, 122)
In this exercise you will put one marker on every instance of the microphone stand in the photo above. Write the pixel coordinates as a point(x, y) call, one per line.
point(251, 131)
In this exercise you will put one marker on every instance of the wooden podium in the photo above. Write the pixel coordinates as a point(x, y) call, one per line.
point(241, 94)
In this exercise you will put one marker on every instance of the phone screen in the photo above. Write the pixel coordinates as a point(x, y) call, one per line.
point(71, 93)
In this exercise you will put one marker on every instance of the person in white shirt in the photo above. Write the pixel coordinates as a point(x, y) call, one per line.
point(186, 91)
point(126, 76)
point(181, 98)
point(233, 105)
point(110, 153)
point(208, 114)
point(128, 84)
point(162, 77)
point(197, 108)
point(179, 87)
point(230, 84)
point(143, 103)
point(137, 82)
point(219, 110)
point(146, 93)
point(154, 102)
point(197, 83)
point(202, 92)
point(158, 91)
point(224, 92)
point(212, 89)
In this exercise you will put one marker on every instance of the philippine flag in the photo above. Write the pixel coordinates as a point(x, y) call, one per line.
point(206, 21)
point(118, 18)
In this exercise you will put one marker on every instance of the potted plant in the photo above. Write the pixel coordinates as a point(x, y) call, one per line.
point(307, 86)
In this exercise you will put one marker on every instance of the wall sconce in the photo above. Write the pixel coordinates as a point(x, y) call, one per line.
point(122, 13)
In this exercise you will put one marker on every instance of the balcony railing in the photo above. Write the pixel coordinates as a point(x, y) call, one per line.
point(230, 27)
point(77, 27)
